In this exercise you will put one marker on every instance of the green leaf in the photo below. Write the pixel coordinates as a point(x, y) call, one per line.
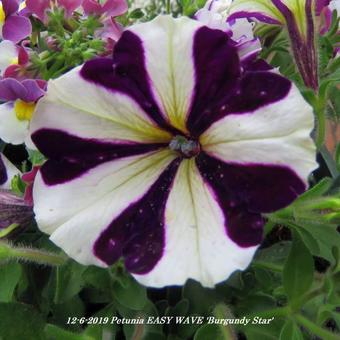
point(20, 321)
point(298, 270)
point(291, 331)
point(130, 293)
point(136, 14)
point(209, 332)
point(10, 274)
point(35, 157)
point(323, 235)
point(65, 282)
point(53, 332)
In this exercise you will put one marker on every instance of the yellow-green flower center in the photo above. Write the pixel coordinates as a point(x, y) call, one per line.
point(23, 110)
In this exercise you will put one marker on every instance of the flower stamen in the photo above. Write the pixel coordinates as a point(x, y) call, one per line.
point(23, 110)
point(186, 147)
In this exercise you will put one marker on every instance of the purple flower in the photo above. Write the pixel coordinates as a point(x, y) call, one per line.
point(107, 8)
point(16, 113)
point(14, 210)
point(13, 26)
point(41, 7)
point(168, 154)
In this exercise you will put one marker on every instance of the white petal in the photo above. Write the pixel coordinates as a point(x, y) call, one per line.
point(11, 172)
point(8, 53)
point(278, 133)
point(197, 245)
point(87, 110)
point(77, 212)
point(12, 130)
point(169, 63)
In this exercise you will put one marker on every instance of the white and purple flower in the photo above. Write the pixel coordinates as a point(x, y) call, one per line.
point(215, 15)
point(297, 16)
point(13, 26)
point(168, 154)
point(20, 98)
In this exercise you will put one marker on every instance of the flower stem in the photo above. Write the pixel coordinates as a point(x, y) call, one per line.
point(8, 252)
point(168, 7)
point(329, 161)
point(221, 311)
point(38, 256)
point(321, 127)
point(315, 329)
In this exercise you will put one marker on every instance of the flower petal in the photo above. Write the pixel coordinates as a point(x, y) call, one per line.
point(253, 91)
point(16, 28)
point(8, 53)
point(10, 6)
point(82, 108)
point(7, 172)
point(197, 244)
point(263, 10)
point(277, 134)
point(71, 156)
point(215, 78)
point(167, 44)
point(12, 130)
point(78, 212)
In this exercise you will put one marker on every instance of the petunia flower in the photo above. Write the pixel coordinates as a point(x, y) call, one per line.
point(214, 15)
point(41, 7)
point(297, 16)
point(13, 26)
point(7, 172)
point(324, 9)
point(16, 113)
point(168, 154)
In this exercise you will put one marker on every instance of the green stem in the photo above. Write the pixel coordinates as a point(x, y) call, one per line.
point(319, 110)
point(221, 312)
point(307, 297)
point(315, 329)
point(168, 6)
point(57, 286)
point(37, 256)
point(329, 161)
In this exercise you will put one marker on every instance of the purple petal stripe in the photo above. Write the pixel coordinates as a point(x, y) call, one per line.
point(138, 234)
point(71, 156)
point(127, 74)
point(221, 88)
point(244, 191)
point(217, 69)
point(3, 172)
